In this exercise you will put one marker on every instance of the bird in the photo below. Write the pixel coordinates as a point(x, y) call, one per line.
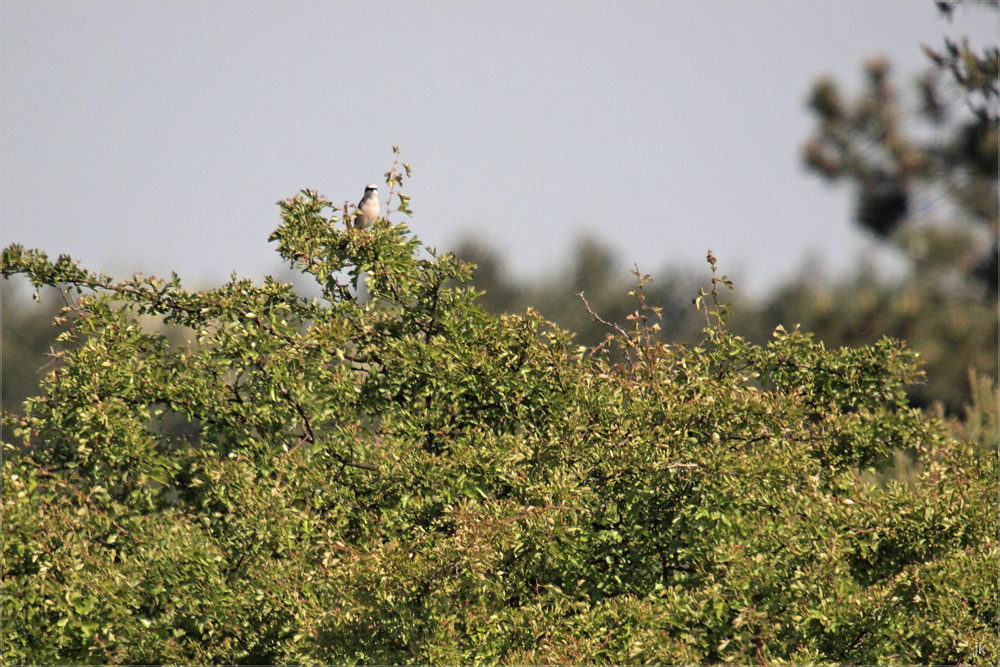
point(368, 208)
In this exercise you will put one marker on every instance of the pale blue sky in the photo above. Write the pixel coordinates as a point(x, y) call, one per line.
point(158, 136)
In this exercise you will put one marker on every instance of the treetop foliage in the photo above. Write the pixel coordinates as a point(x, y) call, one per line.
point(407, 478)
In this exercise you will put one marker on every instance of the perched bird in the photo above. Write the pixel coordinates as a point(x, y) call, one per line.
point(368, 208)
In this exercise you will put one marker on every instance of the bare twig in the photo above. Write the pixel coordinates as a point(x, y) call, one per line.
point(624, 334)
point(599, 319)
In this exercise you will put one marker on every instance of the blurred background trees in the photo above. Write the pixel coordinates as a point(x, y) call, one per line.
point(924, 182)
point(925, 179)
point(27, 335)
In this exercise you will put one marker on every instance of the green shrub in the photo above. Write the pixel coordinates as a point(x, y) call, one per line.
point(409, 479)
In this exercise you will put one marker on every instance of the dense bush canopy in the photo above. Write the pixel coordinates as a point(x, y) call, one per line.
point(405, 478)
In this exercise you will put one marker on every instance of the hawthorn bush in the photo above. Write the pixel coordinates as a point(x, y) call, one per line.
point(406, 479)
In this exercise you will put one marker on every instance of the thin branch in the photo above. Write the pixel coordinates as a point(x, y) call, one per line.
point(599, 319)
point(627, 341)
point(357, 464)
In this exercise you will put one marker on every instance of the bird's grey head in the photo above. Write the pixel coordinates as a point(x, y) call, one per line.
point(371, 188)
